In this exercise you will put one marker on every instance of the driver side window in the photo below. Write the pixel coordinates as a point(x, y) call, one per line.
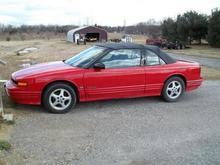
point(122, 58)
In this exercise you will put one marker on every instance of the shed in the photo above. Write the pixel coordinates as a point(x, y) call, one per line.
point(126, 38)
point(91, 33)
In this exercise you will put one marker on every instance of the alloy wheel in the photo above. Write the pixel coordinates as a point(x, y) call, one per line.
point(60, 99)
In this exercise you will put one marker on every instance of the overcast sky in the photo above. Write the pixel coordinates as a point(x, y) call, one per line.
point(102, 12)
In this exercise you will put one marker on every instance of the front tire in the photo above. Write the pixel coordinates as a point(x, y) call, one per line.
point(173, 89)
point(59, 98)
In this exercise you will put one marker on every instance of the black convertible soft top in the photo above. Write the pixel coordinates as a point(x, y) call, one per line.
point(155, 49)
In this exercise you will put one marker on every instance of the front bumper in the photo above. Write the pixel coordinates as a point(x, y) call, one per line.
point(22, 95)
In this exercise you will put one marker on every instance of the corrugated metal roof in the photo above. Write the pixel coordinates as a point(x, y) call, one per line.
point(71, 32)
point(77, 29)
point(84, 29)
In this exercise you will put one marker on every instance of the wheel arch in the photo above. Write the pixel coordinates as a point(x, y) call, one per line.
point(177, 75)
point(61, 81)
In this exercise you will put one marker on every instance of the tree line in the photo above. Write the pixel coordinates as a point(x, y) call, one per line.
point(192, 26)
point(35, 28)
point(145, 28)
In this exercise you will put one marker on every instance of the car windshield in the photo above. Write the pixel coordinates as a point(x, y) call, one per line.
point(85, 57)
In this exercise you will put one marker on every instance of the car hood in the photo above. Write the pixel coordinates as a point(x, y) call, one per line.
point(41, 69)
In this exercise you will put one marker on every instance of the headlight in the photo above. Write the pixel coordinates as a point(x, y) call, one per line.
point(19, 83)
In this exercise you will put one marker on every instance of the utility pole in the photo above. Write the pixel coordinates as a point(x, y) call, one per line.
point(124, 24)
point(87, 21)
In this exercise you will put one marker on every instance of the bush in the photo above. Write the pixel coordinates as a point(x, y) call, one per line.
point(8, 38)
point(214, 29)
point(4, 145)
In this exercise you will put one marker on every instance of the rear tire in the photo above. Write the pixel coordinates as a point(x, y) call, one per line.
point(59, 98)
point(173, 89)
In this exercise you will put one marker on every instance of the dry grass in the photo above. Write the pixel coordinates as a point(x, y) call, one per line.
point(199, 50)
point(48, 50)
point(5, 130)
point(210, 73)
point(31, 36)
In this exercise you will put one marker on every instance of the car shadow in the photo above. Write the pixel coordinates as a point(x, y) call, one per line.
point(93, 105)
point(104, 105)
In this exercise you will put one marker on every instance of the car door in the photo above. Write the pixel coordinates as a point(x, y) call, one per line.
point(156, 73)
point(123, 76)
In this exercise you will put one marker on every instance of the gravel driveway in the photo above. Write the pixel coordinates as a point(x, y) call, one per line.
point(209, 62)
point(124, 132)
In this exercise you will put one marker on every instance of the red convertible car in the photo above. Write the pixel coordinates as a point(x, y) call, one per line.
point(104, 71)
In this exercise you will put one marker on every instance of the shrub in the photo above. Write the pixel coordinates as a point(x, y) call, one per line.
point(4, 145)
point(8, 38)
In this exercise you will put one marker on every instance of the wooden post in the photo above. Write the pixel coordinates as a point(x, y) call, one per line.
point(1, 105)
point(7, 117)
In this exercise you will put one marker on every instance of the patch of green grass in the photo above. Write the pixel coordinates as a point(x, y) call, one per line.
point(4, 145)
point(7, 122)
point(10, 122)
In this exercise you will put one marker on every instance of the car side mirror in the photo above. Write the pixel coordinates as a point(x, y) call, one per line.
point(99, 65)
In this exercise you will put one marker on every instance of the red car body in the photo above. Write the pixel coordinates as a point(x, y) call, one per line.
point(92, 84)
point(154, 41)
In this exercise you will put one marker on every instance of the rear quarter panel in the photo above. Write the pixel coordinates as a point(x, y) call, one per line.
point(157, 75)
